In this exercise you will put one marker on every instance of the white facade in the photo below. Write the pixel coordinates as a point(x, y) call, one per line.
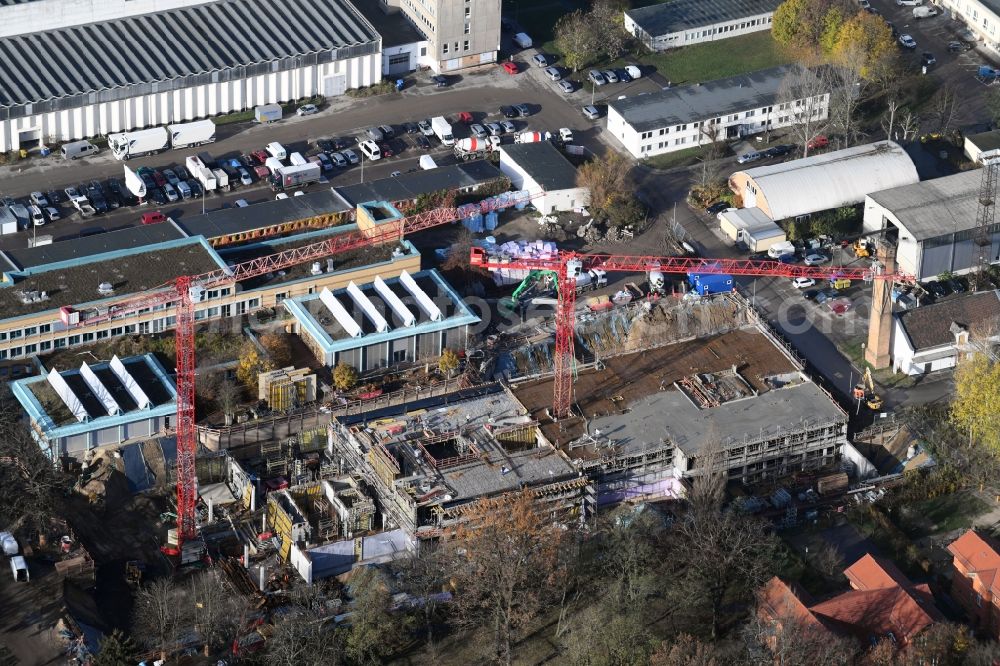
point(328, 79)
point(982, 20)
point(460, 33)
point(405, 58)
point(545, 199)
point(907, 360)
point(696, 35)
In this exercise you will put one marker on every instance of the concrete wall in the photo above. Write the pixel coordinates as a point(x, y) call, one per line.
point(161, 108)
point(27, 17)
point(443, 23)
point(706, 33)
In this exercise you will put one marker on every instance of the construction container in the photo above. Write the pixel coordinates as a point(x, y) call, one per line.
point(832, 483)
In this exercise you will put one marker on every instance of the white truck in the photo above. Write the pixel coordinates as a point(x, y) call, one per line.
point(82, 204)
point(427, 162)
point(592, 279)
point(532, 137)
point(297, 160)
point(201, 172)
point(442, 129)
point(221, 179)
point(184, 135)
point(296, 176)
point(126, 145)
point(275, 149)
point(274, 165)
point(473, 148)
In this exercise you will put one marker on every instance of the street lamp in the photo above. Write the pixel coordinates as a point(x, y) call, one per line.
point(593, 88)
point(362, 165)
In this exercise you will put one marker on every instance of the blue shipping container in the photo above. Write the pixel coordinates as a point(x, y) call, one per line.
point(710, 283)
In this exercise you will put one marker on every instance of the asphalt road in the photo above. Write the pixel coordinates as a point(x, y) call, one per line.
point(480, 94)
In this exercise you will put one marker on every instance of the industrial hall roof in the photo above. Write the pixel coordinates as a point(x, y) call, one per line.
point(831, 180)
point(936, 207)
point(681, 15)
point(167, 45)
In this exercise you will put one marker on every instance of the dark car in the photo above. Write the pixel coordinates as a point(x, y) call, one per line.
point(117, 185)
point(325, 162)
point(146, 175)
point(423, 142)
point(522, 110)
point(622, 75)
point(440, 81)
point(326, 145)
point(927, 59)
point(937, 289)
point(717, 208)
point(810, 294)
point(386, 149)
point(157, 195)
point(56, 197)
point(508, 112)
point(956, 285)
point(159, 178)
point(790, 258)
point(97, 199)
point(387, 131)
point(195, 187)
point(182, 173)
point(958, 47)
point(779, 150)
point(411, 128)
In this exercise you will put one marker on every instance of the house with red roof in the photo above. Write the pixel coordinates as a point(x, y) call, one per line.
point(882, 603)
point(974, 580)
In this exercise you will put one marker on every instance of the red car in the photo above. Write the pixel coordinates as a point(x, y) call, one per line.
point(153, 218)
point(260, 156)
point(386, 150)
point(465, 117)
point(511, 67)
point(160, 179)
point(818, 142)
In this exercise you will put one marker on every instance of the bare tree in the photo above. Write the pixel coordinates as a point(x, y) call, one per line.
point(629, 556)
point(686, 650)
point(944, 108)
point(804, 97)
point(828, 560)
point(712, 148)
point(891, 118)
point(160, 613)
point(788, 640)
point(604, 637)
point(847, 90)
point(424, 576)
point(708, 488)
point(216, 609)
point(228, 394)
point(303, 637)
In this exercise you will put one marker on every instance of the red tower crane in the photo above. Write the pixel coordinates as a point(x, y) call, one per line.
point(183, 292)
point(568, 265)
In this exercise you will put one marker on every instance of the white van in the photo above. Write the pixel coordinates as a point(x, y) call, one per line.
point(371, 150)
point(8, 544)
point(522, 40)
point(77, 149)
point(37, 216)
point(19, 568)
point(275, 149)
point(634, 72)
point(297, 160)
point(779, 249)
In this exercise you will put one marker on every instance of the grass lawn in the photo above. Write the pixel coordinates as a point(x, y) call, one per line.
point(678, 158)
point(718, 60)
point(942, 514)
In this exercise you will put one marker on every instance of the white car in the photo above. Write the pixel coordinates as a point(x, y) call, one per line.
point(909, 3)
point(803, 282)
point(751, 156)
point(494, 129)
point(478, 131)
point(306, 110)
point(37, 216)
point(816, 259)
point(722, 212)
point(171, 193)
point(245, 177)
point(508, 126)
point(39, 199)
point(553, 73)
point(279, 196)
point(71, 193)
point(591, 112)
point(425, 128)
point(52, 214)
point(565, 135)
point(907, 41)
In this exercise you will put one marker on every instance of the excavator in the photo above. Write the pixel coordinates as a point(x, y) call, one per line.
point(530, 281)
point(866, 391)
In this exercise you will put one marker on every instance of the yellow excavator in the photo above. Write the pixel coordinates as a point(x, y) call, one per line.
point(866, 391)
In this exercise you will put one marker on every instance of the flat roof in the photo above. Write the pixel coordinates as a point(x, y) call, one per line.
point(325, 328)
point(544, 163)
point(934, 207)
point(74, 282)
point(394, 28)
point(82, 248)
point(194, 40)
point(412, 185)
point(46, 408)
point(685, 104)
point(985, 140)
point(227, 221)
point(681, 15)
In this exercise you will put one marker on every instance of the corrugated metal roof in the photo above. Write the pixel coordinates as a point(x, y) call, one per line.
point(680, 15)
point(171, 44)
point(934, 207)
point(831, 180)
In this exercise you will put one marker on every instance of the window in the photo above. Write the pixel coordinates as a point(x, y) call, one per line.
point(444, 48)
point(31, 330)
point(14, 335)
point(15, 352)
point(253, 303)
point(467, 29)
point(45, 345)
point(103, 334)
point(465, 45)
point(74, 339)
point(468, 10)
point(116, 331)
point(30, 349)
point(58, 343)
point(45, 328)
point(663, 131)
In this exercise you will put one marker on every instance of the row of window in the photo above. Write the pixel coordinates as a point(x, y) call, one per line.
point(465, 45)
point(700, 34)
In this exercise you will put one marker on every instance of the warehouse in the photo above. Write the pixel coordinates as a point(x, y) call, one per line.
point(93, 77)
point(934, 337)
point(976, 144)
point(545, 173)
point(825, 181)
point(673, 24)
point(687, 116)
point(751, 227)
point(100, 404)
point(935, 222)
point(403, 319)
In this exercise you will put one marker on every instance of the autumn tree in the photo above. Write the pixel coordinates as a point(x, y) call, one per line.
point(609, 637)
point(278, 347)
point(810, 26)
point(608, 19)
point(508, 552)
point(345, 376)
point(577, 38)
point(864, 43)
point(251, 364)
point(976, 407)
point(608, 181)
point(789, 639)
point(370, 637)
point(448, 362)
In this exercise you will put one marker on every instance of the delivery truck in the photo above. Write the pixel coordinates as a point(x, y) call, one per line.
point(267, 113)
point(274, 165)
point(473, 148)
point(275, 149)
point(221, 179)
point(290, 177)
point(442, 129)
point(185, 135)
point(297, 160)
point(126, 145)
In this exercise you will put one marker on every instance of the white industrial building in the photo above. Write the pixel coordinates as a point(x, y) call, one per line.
point(936, 336)
point(688, 116)
point(673, 24)
point(751, 227)
point(825, 181)
point(546, 174)
point(935, 222)
point(982, 17)
point(83, 68)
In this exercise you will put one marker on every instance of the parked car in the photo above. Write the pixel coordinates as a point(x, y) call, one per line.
point(553, 73)
point(623, 75)
point(324, 161)
point(597, 77)
point(540, 60)
point(153, 217)
point(196, 190)
point(565, 135)
point(306, 110)
point(937, 288)
point(928, 59)
point(39, 199)
point(425, 127)
point(171, 193)
point(818, 142)
point(909, 3)
point(341, 161)
point(423, 142)
point(410, 128)
point(567, 86)
point(245, 178)
point(907, 42)
point(351, 156)
point(374, 133)
point(386, 149)
point(478, 131)
point(387, 131)
point(716, 208)
point(591, 112)
point(956, 285)
point(52, 213)
point(779, 150)
point(803, 282)
point(810, 294)
point(816, 259)
point(609, 76)
point(958, 47)
point(510, 67)
point(751, 156)
point(494, 129)
point(241, 203)
point(522, 110)
point(508, 112)
point(72, 192)
point(439, 81)
point(36, 215)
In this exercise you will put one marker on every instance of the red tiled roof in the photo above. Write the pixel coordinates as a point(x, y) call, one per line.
point(782, 601)
point(874, 573)
point(879, 612)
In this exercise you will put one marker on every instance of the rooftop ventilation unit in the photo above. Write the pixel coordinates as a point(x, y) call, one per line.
point(105, 289)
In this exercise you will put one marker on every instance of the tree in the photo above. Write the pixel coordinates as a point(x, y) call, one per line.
point(847, 88)
point(216, 609)
point(372, 625)
point(810, 26)
point(606, 637)
point(303, 637)
point(607, 180)
point(865, 44)
point(992, 99)
point(976, 407)
point(424, 575)
point(448, 362)
point(944, 109)
point(159, 613)
point(788, 640)
point(117, 649)
point(608, 19)
point(251, 364)
point(227, 395)
point(686, 650)
point(805, 95)
point(626, 212)
point(507, 553)
point(629, 556)
point(345, 376)
point(278, 346)
point(577, 39)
